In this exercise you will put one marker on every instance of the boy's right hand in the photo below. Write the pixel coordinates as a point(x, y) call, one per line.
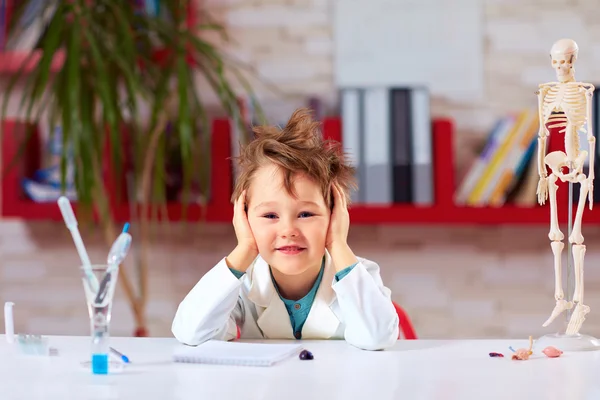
point(246, 250)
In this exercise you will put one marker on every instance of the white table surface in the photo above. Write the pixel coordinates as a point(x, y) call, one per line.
point(421, 369)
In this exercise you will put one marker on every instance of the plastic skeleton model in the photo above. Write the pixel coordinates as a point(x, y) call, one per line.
point(566, 105)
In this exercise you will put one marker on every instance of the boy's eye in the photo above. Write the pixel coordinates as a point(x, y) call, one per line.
point(304, 214)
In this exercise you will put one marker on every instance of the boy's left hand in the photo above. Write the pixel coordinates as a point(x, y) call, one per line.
point(337, 234)
point(339, 222)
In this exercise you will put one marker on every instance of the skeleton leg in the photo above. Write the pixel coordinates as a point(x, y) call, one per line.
point(555, 233)
point(576, 236)
point(578, 256)
point(581, 310)
point(561, 303)
point(557, 245)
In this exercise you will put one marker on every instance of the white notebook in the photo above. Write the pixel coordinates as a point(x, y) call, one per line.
point(236, 353)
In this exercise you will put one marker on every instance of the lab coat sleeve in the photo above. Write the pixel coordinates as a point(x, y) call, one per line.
point(341, 274)
point(369, 314)
point(211, 310)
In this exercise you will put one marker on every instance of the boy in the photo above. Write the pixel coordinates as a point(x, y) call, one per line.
point(292, 273)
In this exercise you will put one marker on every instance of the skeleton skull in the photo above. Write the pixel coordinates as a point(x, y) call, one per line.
point(564, 54)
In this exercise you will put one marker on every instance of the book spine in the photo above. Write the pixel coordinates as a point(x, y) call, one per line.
point(422, 166)
point(401, 145)
point(378, 166)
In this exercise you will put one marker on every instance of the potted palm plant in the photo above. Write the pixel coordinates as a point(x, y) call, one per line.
point(125, 70)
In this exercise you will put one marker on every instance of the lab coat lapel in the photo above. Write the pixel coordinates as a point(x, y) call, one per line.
point(322, 323)
point(273, 318)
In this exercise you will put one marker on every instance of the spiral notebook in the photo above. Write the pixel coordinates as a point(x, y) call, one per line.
point(236, 353)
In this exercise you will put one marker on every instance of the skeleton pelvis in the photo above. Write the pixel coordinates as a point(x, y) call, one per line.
point(557, 160)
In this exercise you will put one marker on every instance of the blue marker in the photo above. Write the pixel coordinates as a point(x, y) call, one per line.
point(122, 356)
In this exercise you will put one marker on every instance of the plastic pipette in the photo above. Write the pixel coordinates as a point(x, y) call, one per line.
point(71, 222)
point(116, 255)
point(120, 247)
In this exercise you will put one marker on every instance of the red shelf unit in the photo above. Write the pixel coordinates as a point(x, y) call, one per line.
point(14, 204)
point(445, 212)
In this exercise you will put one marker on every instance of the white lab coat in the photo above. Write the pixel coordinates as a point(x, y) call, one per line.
point(358, 308)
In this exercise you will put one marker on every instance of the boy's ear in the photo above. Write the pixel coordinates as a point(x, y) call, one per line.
point(246, 208)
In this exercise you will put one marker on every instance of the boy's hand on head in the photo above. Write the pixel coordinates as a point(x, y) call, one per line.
point(246, 250)
point(339, 222)
point(337, 234)
point(243, 232)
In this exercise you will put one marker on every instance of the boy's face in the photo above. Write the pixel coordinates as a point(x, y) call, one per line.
point(290, 232)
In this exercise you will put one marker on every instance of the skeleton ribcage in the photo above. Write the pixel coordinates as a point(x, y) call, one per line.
point(565, 103)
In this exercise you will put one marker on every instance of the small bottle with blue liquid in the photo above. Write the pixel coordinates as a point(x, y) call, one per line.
point(100, 349)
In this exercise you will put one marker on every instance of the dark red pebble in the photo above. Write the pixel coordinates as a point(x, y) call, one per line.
point(496, 355)
point(306, 355)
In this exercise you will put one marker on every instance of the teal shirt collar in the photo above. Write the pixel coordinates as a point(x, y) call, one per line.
point(298, 310)
point(310, 296)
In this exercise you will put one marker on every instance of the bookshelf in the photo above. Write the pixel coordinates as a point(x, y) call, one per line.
point(16, 205)
point(444, 211)
point(218, 209)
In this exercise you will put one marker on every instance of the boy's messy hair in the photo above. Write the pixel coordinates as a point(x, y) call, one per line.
point(298, 147)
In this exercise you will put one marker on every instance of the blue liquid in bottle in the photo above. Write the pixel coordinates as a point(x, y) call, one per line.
point(100, 364)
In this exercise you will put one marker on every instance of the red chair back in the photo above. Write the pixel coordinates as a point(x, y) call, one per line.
point(406, 327)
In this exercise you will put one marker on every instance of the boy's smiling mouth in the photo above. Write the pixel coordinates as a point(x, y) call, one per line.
point(290, 250)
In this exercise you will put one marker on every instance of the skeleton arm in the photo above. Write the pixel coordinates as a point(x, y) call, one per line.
point(591, 140)
point(542, 190)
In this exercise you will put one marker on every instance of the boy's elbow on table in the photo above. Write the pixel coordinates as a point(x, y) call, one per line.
point(372, 321)
point(184, 335)
point(195, 335)
point(380, 337)
point(189, 326)
point(205, 312)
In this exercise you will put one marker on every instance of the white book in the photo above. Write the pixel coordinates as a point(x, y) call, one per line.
point(236, 353)
point(378, 181)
